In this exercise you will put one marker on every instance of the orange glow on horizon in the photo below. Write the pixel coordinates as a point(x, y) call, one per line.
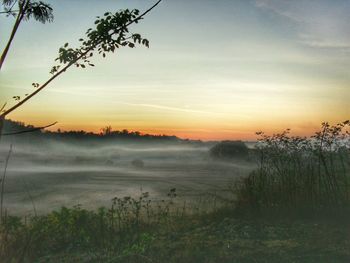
point(248, 133)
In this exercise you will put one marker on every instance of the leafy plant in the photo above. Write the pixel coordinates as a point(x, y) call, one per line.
point(300, 174)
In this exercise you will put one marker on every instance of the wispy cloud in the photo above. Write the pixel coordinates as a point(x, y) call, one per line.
point(314, 41)
point(146, 105)
point(321, 23)
point(155, 106)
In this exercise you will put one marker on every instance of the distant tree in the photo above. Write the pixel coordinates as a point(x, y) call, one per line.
point(137, 133)
point(229, 150)
point(106, 130)
point(110, 34)
point(26, 9)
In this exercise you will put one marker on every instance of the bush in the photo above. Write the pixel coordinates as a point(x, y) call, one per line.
point(109, 162)
point(229, 150)
point(138, 163)
point(297, 174)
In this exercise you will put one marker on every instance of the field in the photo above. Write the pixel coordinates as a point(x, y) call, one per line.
point(46, 178)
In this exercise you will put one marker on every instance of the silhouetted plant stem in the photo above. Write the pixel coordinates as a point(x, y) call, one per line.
point(30, 130)
point(3, 183)
point(1, 125)
point(18, 21)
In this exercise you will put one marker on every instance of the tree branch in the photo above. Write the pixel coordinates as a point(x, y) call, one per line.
point(9, 12)
point(3, 107)
point(72, 63)
point(30, 130)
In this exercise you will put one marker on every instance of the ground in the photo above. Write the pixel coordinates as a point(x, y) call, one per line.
point(210, 240)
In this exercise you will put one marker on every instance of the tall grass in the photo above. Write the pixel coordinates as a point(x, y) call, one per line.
point(297, 174)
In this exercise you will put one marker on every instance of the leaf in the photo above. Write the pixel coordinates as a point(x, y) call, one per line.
point(35, 85)
point(66, 45)
point(145, 42)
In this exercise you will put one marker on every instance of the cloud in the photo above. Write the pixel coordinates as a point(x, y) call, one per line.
point(155, 106)
point(145, 105)
point(320, 23)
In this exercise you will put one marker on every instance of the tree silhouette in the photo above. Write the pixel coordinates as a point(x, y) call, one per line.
point(110, 34)
point(27, 9)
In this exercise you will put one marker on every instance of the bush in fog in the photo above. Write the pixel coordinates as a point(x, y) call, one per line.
point(298, 174)
point(83, 160)
point(109, 162)
point(138, 163)
point(228, 150)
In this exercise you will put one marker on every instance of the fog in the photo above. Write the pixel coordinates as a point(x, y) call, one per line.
point(45, 176)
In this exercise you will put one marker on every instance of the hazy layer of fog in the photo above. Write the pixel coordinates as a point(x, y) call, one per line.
point(46, 176)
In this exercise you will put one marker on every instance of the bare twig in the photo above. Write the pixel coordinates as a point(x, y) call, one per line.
point(10, 9)
point(3, 183)
point(3, 106)
point(30, 197)
point(9, 12)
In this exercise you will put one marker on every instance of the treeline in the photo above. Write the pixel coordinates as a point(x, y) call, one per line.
point(106, 134)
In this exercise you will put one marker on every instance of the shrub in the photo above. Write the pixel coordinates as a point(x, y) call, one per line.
point(138, 163)
point(109, 162)
point(299, 173)
point(229, 150)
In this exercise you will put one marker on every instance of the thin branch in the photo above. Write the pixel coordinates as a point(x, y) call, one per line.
point(18, 21)
point(5, 12)
point(25, 184)
point(9, 12)
point(14, 3)
point(30, 130)
point(72, 63)
point(3, 106)
point(10, 9)
point(3, 183)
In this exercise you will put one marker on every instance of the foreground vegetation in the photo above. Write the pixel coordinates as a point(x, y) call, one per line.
point(293, 208)
point(299, 174)
point(132, 231)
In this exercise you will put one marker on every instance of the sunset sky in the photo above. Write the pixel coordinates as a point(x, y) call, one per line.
point(216, 69)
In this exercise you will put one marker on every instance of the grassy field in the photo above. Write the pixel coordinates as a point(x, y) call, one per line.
point(66, 176)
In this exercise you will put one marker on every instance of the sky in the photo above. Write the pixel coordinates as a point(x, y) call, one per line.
point(215, 69)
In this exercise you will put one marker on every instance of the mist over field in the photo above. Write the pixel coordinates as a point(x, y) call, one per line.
point(45, 175)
